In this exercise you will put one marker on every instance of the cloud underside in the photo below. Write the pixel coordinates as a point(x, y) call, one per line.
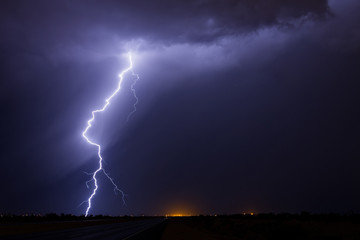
point(168, 21)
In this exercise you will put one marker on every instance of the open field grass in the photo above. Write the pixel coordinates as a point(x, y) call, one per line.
point(262, 228)
point(22, 225)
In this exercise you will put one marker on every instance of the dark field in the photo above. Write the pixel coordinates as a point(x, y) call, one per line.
point(21, 226)
point(262, 226)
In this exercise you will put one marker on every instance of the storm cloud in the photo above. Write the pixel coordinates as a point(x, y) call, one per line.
point(240, 101)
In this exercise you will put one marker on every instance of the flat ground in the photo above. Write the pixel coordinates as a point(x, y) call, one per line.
point(37, 227)
point(252, 228)
point(289, 227)
point(150, 228)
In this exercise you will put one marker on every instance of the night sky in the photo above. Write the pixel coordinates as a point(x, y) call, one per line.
point(243, 106)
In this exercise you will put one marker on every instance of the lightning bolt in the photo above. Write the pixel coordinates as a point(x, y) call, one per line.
point(97, 145)
point(134, 94)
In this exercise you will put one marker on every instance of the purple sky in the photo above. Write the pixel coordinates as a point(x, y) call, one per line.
point(243, 105)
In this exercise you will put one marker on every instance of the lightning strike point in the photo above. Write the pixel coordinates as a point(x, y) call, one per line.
point(97, 145)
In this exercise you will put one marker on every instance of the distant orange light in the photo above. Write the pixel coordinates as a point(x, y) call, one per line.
point(177, 215)
point(179, 209)
point(248, 213)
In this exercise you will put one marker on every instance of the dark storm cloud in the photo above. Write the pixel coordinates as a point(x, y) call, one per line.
point(203, 21)
point(63, 22)
point(39, 33)
point(240, 101)
point(36, 33)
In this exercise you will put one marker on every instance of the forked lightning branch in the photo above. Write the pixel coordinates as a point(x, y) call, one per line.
point(100, 168)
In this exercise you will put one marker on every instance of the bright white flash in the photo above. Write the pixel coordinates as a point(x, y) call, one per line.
point(89, 124)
